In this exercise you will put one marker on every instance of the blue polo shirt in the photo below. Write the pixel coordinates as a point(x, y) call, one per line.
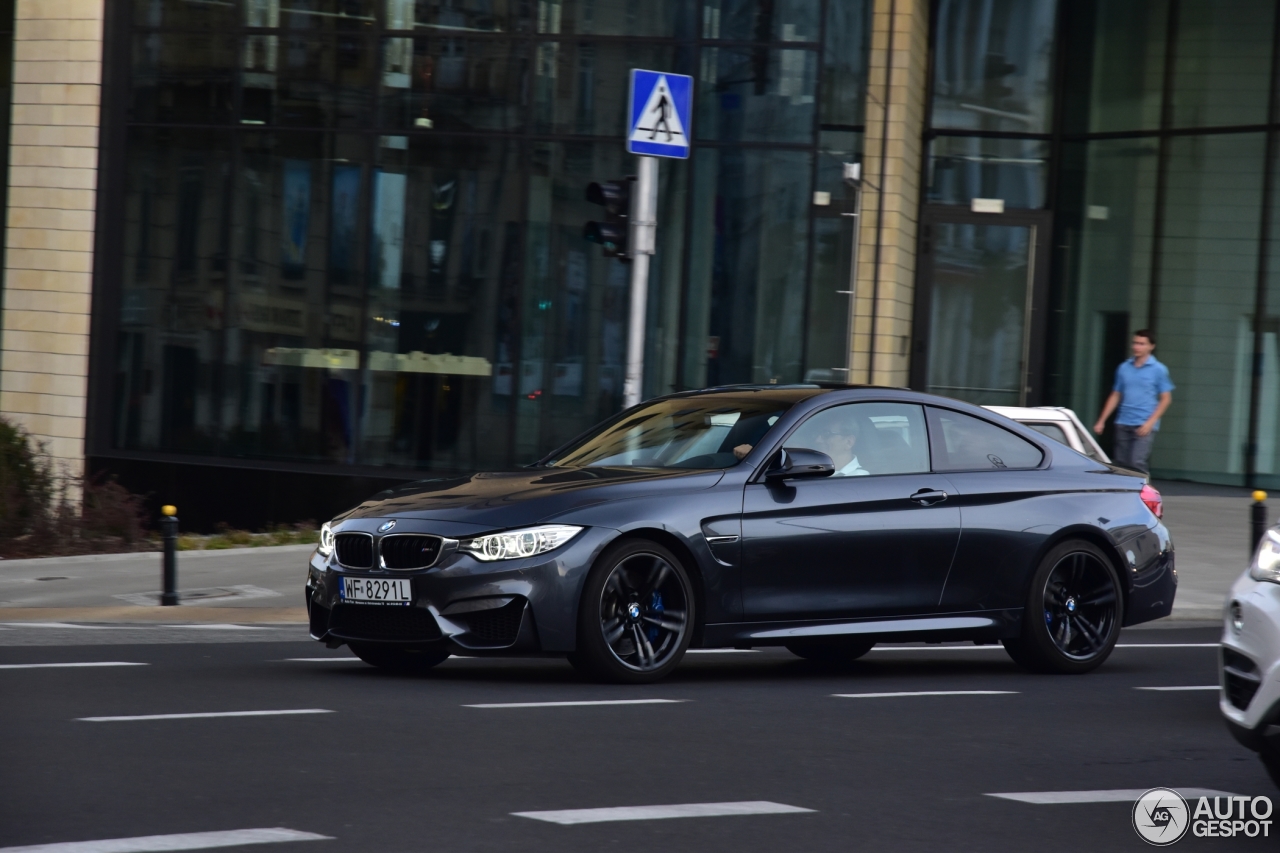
point(1140, 389)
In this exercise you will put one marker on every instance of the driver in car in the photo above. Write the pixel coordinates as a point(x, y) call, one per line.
point(834, 435)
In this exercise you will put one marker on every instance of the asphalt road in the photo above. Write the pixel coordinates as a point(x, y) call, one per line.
point(403, 764)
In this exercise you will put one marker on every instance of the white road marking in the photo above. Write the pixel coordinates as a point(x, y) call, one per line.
point(720, 651)
point(1172, 689)
point(220, 626)
point(67, 625)
point(1122, 795)
point(324, 660)
point(65, 665)
point(203, 715)
point(1167, 645)
point(574, 704)
point(569, 817)
point(183, 841)
point(999, 648)
point(923, 693)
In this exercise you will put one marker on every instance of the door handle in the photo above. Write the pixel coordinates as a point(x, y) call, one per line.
point(928, 497)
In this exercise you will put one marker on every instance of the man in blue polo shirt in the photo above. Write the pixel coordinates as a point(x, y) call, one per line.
point(1143, 391)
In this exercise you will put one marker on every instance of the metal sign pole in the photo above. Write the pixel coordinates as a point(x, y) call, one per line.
point(644, 226)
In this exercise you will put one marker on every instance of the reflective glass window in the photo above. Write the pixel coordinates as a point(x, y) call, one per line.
point(866, 439)
point(993, 63)
point(179, 77)
point(307, 82)
point(1052, 431)
point(965, 443)
point(462, 16)
point(844, 62)
point(582, 87)
point(453, 84)
point(756, 94)
point(312, 14)
point(761, 20)
point(185, 13)
point(964, 168)
point(1222, 73)
point(1119, 83)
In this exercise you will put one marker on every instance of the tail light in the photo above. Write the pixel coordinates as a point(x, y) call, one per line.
point(1152, 499)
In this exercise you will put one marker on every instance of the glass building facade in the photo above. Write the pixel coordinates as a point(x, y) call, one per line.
point(339, 242)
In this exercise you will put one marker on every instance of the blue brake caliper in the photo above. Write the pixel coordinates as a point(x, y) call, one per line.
point(655, 604)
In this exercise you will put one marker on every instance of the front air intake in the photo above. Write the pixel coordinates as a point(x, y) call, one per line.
point(355, 550)
point(1240, 678)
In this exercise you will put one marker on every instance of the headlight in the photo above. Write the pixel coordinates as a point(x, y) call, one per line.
point(325, 547)
point(1266, 563)
point(514, 544)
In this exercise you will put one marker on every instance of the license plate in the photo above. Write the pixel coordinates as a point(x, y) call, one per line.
point(376, 591)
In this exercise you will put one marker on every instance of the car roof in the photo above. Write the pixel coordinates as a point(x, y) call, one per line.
point(1031, 413)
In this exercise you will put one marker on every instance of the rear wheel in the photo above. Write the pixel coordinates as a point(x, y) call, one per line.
point(399, 658)
point(831, 649)
point(637, 615)
point(1073, 614)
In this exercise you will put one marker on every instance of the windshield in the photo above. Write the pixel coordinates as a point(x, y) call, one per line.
point(686, 433)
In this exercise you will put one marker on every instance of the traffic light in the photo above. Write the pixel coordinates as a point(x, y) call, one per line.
point(613, 233)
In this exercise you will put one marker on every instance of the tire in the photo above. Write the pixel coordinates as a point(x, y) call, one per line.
point(832, 650)
point(399, 658)
point(636, 616)
point(1073, 612)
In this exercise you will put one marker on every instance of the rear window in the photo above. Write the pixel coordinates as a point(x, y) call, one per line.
point(1051, 430)
point(965, 443)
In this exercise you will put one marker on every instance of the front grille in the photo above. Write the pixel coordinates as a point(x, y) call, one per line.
point(386, 622)
point(409, 552)
point(355, 550)
point(1239, 678)
point(498, 626)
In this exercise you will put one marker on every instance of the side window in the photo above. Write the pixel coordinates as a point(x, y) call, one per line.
point(865, 439)
point(965, 443)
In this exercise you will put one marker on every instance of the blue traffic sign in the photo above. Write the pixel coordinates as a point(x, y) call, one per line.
point(659, 114)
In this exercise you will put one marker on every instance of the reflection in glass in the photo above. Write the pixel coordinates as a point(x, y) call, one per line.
point(1209, 258)
point(453, 84)
point(183, 78)
point(744, 322)
point(844, 62)
point(964, 168)
point(185, 13)
point(307, 82)
point(761, 20)
point(582, 87)
point(977, 327)
point(461, 16)
point(993, 62)
point(1222, 75)
point(1124, 73)
point(756, 94)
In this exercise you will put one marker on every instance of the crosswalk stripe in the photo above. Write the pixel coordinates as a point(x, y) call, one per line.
point(1120, 795)
point(67, 665)
point(181, 841)
point(923, 693)
point(583, 702)
point(570, 817)
point(1173, 689)
point(204, 715)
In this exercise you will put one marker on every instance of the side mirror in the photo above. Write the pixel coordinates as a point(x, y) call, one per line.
point(796, 463)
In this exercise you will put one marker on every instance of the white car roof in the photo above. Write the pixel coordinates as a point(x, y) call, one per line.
point(1031, 413)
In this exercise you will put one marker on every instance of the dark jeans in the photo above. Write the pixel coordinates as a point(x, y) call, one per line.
point(1133, 450)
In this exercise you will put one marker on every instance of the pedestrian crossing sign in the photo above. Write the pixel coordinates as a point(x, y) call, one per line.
point(659, 114)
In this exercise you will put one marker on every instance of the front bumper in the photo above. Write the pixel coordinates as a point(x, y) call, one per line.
point(474, 607)
point(1249, 664)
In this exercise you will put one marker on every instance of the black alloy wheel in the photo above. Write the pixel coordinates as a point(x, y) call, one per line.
point(1073, 613)
point(831, 650)
point(636, 616)
point(400, 658)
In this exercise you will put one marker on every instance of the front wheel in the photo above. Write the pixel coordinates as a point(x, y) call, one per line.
point(637, 615)
point(398, 658)
point(1073, 613)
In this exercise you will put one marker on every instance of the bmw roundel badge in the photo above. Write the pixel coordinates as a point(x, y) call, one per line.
point(387, 525)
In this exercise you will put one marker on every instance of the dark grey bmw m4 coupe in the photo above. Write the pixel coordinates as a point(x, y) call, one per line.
point(824, 520)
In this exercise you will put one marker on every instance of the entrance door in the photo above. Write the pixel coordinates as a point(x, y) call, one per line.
point(980, 314)
point(835, 235)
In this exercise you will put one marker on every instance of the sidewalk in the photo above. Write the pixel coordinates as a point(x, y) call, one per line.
point(1210, 527)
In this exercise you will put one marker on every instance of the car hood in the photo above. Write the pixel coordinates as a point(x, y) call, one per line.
point(503, 499)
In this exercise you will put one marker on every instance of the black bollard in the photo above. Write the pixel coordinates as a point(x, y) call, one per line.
point(169, 532)
point(1257, 521)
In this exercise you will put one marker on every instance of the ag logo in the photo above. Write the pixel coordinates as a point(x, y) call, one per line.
point(1161, 816)
point(387, 525)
